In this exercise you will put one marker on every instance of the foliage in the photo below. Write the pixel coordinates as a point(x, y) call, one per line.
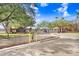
point(14, 15)
point(62, 24)
point(43, 24)
point(19, 15)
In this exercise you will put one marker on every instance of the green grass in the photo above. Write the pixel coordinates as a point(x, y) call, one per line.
point(4, 35)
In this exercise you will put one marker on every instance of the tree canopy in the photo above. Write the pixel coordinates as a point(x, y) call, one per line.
point(15, 15)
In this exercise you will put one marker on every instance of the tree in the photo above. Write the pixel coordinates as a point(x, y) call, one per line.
point(61, 24)
point(77, 21)
point(43, 24)
point(14, 13)
point(5, 12)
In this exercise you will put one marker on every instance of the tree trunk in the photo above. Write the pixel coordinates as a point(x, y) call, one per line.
point(7, 28)
point(6, 25)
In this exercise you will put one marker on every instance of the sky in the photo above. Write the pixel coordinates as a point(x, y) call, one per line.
point(48, 11)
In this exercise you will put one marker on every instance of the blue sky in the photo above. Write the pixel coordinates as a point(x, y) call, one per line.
point(48, 11)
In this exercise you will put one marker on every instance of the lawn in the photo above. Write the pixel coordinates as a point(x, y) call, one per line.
point(4, 35)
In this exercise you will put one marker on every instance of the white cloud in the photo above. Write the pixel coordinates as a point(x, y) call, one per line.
point(38, 14)
point(63, 9)
point(44, 4)
point(35, 8)
point(60, 9)
point(66, 14)
point(65, 4)
point(77, 10)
